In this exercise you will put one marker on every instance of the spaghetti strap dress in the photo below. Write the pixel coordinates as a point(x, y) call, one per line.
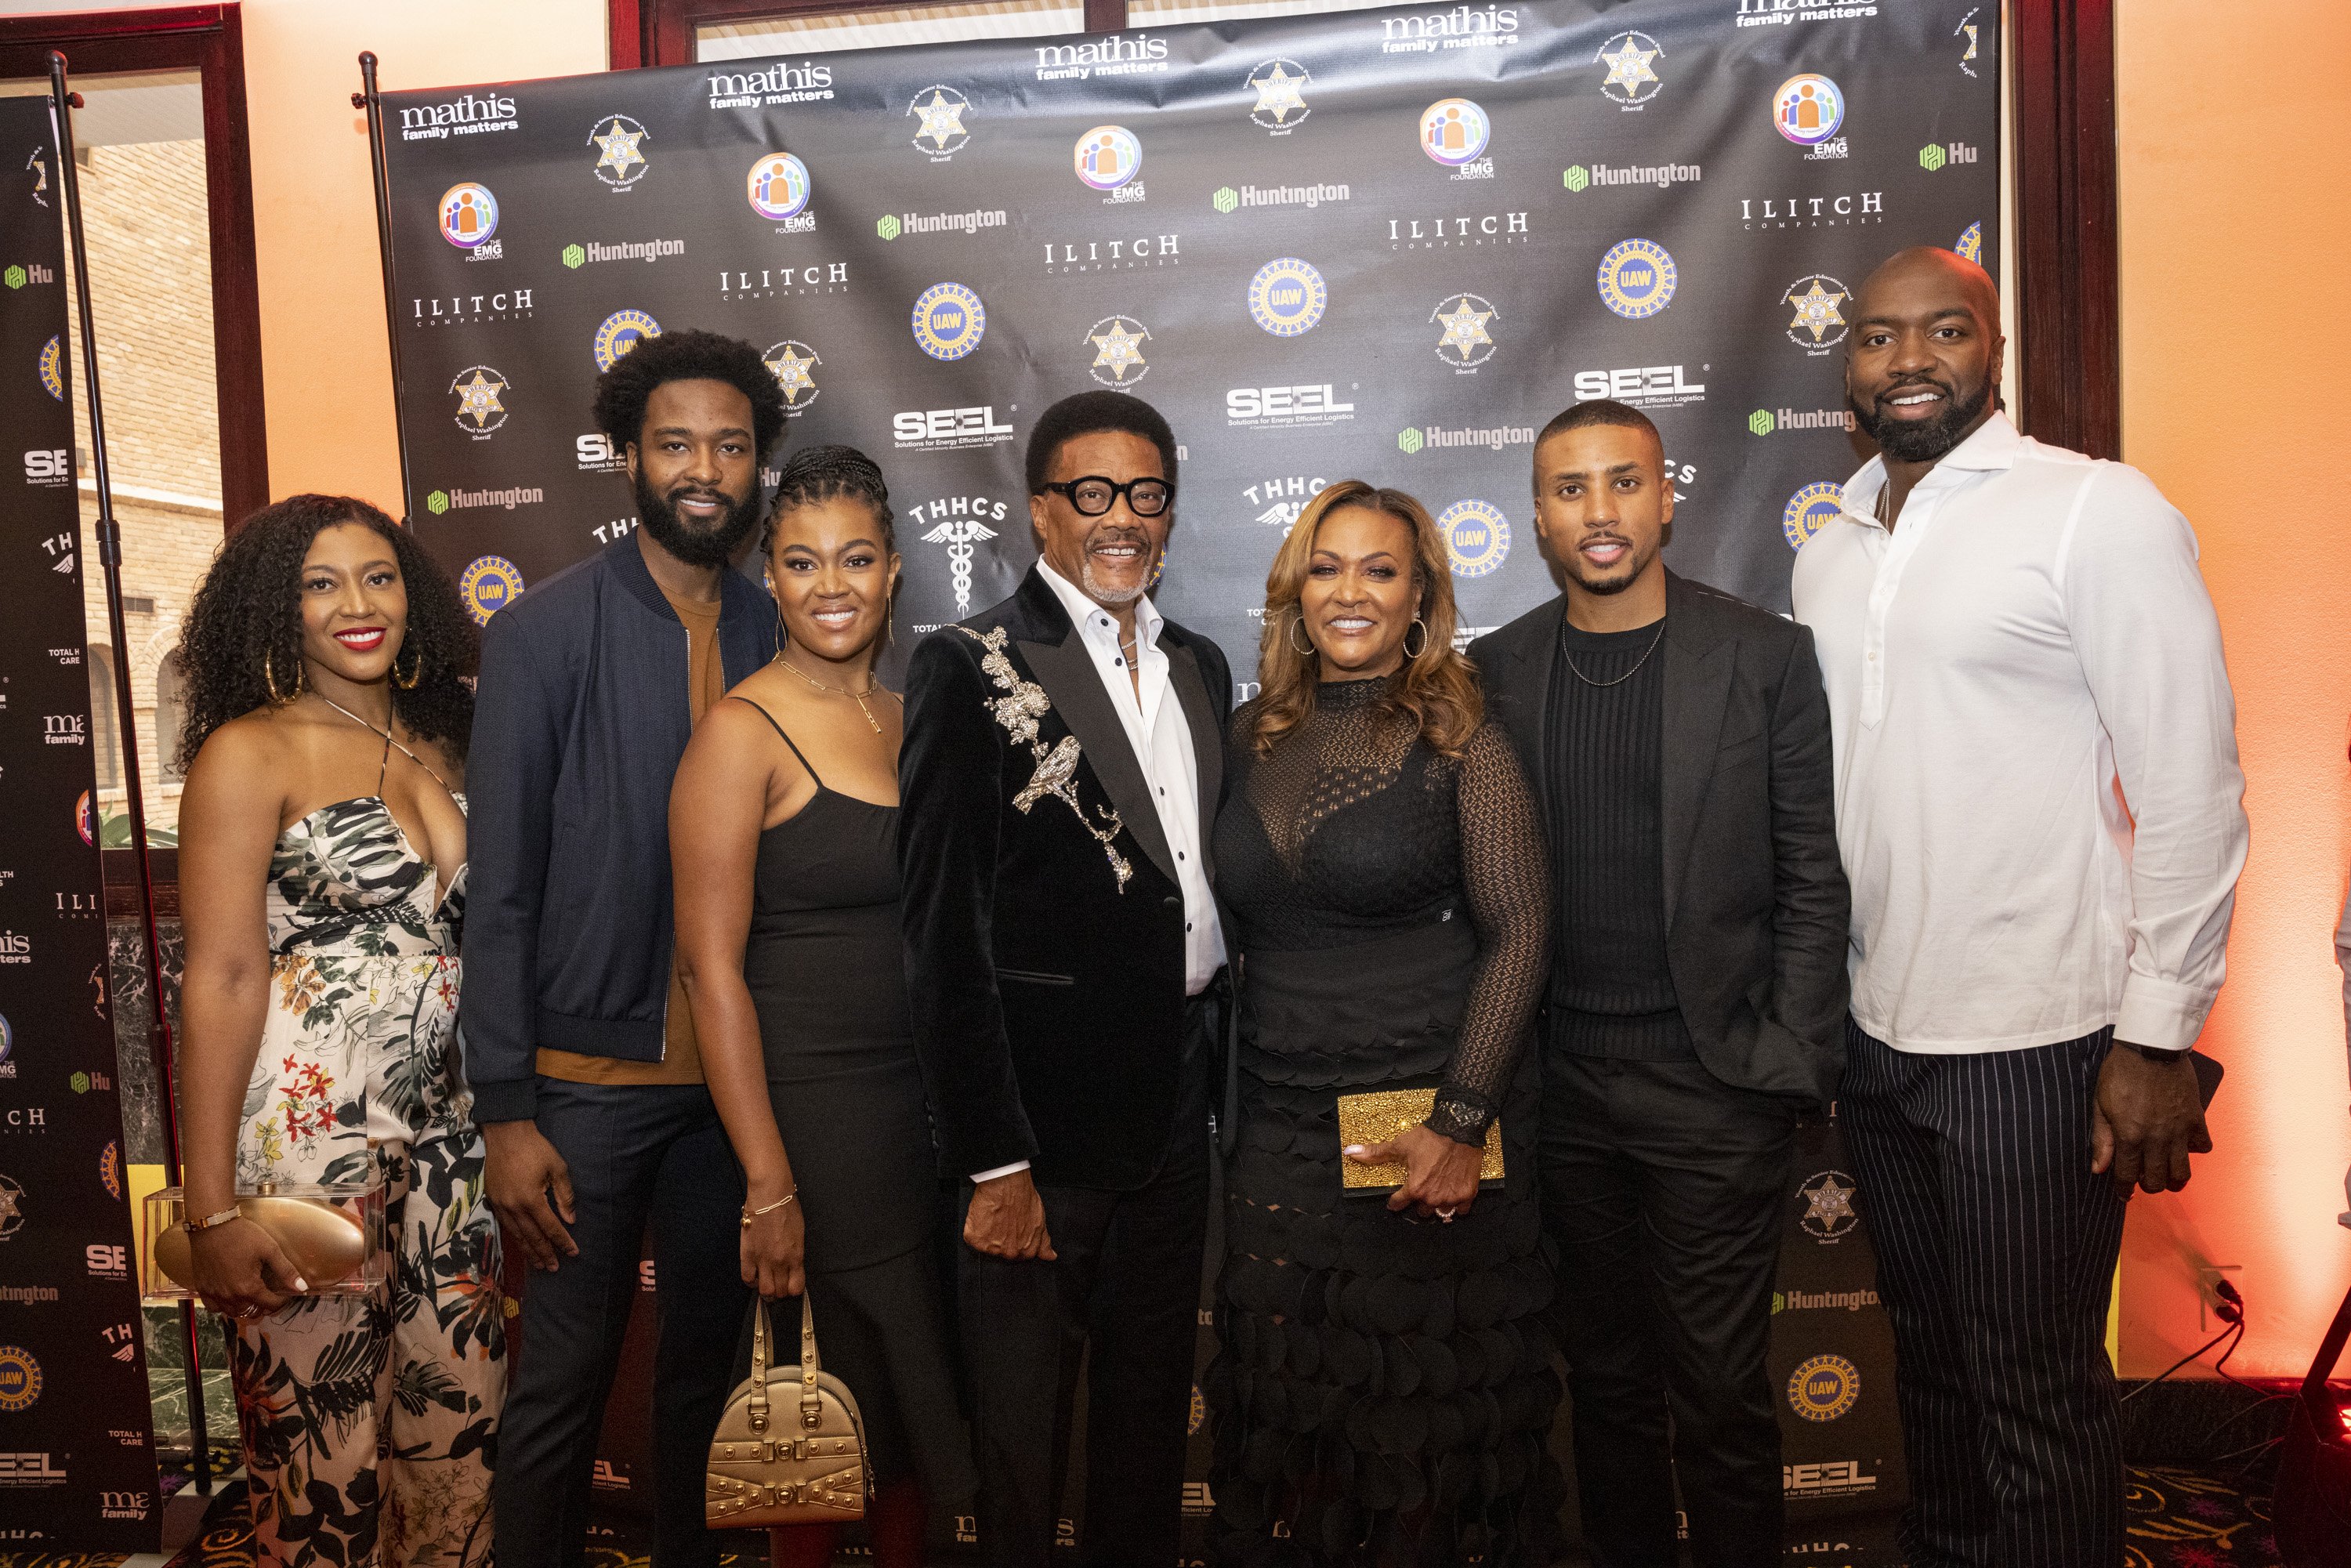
point(826, 974)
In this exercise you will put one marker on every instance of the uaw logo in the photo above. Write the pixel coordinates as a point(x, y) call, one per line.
point(1454, 132)
point(778, 188)
point(961, 524)
point(942, 134)
point(1287, 297)
point(470, 220)
point(949, 320)
point(20, 1379)
point(1823, 1388)
point(1118, 351)
point(1464, 344)
point(12, 1208)
point(793, 364)
point(51, 366)
point(1971, 241)
point(1966, 30)
point(1817, 325)
point(622, 331)
point(1828, 1216)
point(1477, 536)
point(479, 411)
point(109, 1170)
point(1281, 87)
point(1633, 80)
point(489, 586)
point(1638, 278)
point(1807, 110)
point(1279, 501)
point(620, 154)
point(1108, 158)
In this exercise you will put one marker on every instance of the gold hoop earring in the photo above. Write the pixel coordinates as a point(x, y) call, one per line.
point(415, 673)
point(1296, 626)
point(269, 678)
point(1410, 652)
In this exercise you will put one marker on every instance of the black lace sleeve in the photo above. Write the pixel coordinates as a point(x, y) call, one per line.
point(1505, 872)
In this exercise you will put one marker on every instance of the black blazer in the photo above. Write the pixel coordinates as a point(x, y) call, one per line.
point(1048, 998)
point(1757, 913)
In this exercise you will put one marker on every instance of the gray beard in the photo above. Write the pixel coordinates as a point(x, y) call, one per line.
point(1101, 595)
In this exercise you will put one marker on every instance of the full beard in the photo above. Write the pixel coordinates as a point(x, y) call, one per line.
point(1927, 440)
point(714, 546)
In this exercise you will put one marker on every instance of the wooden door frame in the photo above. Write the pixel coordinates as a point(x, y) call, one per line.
point(2062, 66)
point(210, 40)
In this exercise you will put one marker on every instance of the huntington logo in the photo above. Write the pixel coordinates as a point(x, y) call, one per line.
point(1224, 201)
point(14, 276)
point(1934, 156)
point(437, 502)
point(1930, 158)
point(888, 227)
point(1409, 439)
point(1576, 178)
point(574, 258)
point(1760, 422)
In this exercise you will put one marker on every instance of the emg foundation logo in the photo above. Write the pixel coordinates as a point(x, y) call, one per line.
point(1456, 132)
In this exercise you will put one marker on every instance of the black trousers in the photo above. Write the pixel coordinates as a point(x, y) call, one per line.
point(657, 1153)
point(1996, 1249)
point(1126, 1285)
point(1662, 1191)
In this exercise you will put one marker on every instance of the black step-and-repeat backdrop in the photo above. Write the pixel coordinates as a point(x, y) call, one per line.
point(77, 1450)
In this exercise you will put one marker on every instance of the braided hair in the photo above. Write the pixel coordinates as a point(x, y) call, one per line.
point(829, 474)
point(249, 611)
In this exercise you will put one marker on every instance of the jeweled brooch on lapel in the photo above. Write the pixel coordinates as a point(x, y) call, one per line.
point(1023, 704)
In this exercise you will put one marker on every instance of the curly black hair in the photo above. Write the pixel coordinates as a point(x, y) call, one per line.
point(246, 619)
point(827, 473)
point(689, 355)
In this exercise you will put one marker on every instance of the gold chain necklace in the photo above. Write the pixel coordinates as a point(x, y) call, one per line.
point(871, 686)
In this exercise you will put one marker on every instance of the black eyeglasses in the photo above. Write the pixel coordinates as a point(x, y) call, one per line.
point(1094, 494)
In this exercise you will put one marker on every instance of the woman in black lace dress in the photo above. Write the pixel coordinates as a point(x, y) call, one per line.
point(1384, 1392)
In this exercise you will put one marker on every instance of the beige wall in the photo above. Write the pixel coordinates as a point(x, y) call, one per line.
point(326, 367)
point(2236, 226)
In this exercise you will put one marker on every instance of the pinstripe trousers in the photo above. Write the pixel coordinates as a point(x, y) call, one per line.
point(1996, 1250)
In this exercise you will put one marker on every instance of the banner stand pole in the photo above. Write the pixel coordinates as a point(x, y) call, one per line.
point(110, 556)
point(368, 100)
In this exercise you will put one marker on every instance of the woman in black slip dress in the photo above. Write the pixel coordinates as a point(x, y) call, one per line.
point(1382, 1390)
point(783, 842)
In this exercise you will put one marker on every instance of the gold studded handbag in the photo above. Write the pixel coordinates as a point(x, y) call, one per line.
point(802, 1464)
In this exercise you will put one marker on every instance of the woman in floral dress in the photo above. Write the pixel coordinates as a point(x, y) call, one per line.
point(322, 880)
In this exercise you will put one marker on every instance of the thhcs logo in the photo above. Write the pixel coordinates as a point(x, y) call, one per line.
point(1853, 209)
point(948, 429)
point(782, 82)
point(1287, 408)
point(1642, 386)
point(473, 114)
point(778, 188)
point(1280, 86)
point(1936, 155)
point(1117, 342)
point(30, 272)
point(1817, 325)
point(1280, 501)
point(470, 220)
point(476, 390)
point(1465, 343)
point(942, 134)
point(1638, 278)
point(1108, 158)
point(48, 468)
point(1457, 233)
point(489, 586)
point(793, 364)
point(1111, 54)
point(961, 524)
point(1807, 110)
point(1462, 27)
point(620, 143)
point(1633, 80)
point(1456, 132)
point(1477, 536)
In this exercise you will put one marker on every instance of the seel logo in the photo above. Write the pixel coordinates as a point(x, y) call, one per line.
point(1642, 386)
point(1477, 536)
point(105, 1260)
point(490, 584)
point(30, 1470)
point(1638, 278)
point(1832, 1478)
point(942, 134)
point(1287, 297)
point(1297, 407)
point(48, 468)
point(947, 429)
point(949, 320)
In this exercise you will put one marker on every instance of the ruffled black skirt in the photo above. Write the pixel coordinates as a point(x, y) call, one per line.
point(1383, 1394)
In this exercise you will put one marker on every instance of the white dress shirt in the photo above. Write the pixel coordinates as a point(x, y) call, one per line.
point(1162, 741)
point(2037, 791)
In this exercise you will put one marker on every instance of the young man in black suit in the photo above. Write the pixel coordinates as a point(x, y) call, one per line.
point(1062, 764)
point(1679, 741)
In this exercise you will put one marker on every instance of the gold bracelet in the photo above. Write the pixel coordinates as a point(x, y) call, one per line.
point(751, 1214)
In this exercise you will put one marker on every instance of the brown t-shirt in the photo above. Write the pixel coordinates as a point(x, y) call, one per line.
point(681, 1059)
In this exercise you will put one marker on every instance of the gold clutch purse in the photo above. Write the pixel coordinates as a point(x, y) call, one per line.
point(1376, 1116)
point(813, 1471)
point(329, 1233)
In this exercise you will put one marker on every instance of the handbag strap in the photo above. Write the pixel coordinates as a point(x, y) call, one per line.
point(759, 1366)
point(811, 1407)
point(811, 1403)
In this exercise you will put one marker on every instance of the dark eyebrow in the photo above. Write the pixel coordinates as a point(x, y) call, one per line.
point(681, 429)
point(1629, 468)
point(852, 544)
point(1944, 314)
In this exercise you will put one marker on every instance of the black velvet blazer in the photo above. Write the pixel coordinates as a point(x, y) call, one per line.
point(1044, 920)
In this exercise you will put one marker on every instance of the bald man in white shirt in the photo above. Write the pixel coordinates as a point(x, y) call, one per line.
point(2041, 814)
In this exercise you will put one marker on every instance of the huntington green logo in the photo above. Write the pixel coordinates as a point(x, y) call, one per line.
point(1779, 1302)
point(1225, 199)
point(888, 227)
point(1931, 158)
point(80, 1083)
point(1760, 422)
point(1408, 441)
point(574, 258)
point(437, 502)
point(14, 277)
point(1576, 178)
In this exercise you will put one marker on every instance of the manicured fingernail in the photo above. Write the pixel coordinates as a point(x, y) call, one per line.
point(1352, 1149)
point(300, 1285)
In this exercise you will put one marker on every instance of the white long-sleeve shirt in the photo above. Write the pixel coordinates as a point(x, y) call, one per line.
point(2037, 791)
